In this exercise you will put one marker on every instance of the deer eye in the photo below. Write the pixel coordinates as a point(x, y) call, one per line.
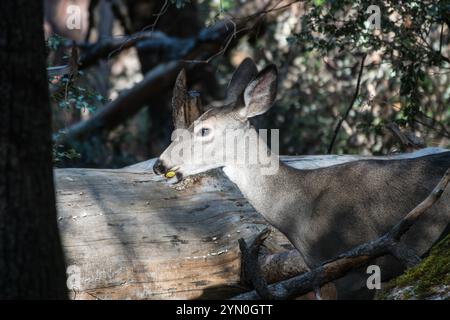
point(204, 132)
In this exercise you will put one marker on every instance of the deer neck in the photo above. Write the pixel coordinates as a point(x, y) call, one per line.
point(269, 185)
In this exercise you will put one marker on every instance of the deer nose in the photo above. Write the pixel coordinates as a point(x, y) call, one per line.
point(159, 167)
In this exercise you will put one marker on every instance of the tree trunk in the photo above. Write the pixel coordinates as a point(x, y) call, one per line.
point(31, 258)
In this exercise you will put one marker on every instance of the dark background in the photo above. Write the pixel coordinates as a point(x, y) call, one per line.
point(402, 102)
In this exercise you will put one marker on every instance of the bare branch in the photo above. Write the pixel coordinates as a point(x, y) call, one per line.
point(133, 38)
point(207, 42)
point(355, 96)
point(408, 141)
point(259, 15)
point(106, 48)
point(126, 104)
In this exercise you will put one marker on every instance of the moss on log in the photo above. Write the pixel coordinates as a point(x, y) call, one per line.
point(430, 279)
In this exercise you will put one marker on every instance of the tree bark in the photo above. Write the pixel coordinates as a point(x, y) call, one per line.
point(31, 257)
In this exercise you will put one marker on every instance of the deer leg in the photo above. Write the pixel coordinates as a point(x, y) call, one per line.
point(317, 290)
point(251, 273)
point(317, 293)
point(250, 268)
point(406, 255)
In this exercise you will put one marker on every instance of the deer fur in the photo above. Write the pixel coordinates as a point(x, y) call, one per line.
point(324, 211)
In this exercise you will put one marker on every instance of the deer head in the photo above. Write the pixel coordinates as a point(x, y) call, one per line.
point(198, 141)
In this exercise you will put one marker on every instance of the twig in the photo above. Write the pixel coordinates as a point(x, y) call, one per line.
point(224, 48)
point(355, 96)
point(108, 47)
point(206, 42)
point(440, 132)
point(357, 257)
point(274, 8)
point(73, 68)
point(408, 141)
point(125, 105)
point(261, 14)
point(136, 36)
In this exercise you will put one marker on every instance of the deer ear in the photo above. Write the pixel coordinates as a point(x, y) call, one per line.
point(185, 106)
point(241, 77)
point(260, 93)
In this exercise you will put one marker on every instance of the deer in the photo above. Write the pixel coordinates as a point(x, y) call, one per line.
point(323, 212)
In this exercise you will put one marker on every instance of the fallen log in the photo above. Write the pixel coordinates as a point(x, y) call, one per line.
point(128, 235)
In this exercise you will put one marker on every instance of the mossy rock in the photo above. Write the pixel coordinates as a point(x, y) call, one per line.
point(430, 279)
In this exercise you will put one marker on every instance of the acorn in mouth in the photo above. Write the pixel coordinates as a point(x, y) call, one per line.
point(173, 176)
point(170, 174)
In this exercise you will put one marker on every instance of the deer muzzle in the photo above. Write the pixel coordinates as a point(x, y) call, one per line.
point(159, 168)
point(172, 175)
